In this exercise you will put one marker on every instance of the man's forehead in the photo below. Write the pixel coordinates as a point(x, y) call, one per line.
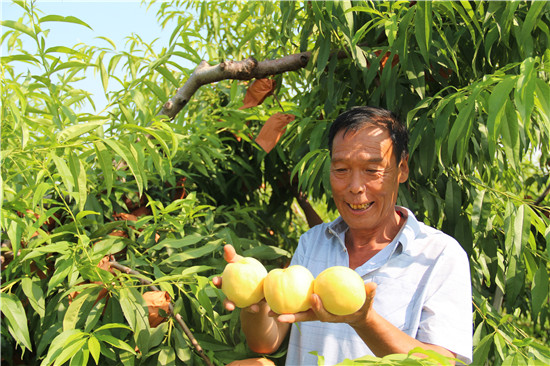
point(372, 142)
point(370, 129)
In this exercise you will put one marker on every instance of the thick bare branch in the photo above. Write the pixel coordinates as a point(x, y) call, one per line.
point(231, 70)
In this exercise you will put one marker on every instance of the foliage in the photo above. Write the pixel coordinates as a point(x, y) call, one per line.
point(471, 79)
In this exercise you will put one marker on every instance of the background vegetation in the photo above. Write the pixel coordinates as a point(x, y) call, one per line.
point(471, 80)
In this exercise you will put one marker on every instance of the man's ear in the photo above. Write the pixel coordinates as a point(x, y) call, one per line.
point(404, 169)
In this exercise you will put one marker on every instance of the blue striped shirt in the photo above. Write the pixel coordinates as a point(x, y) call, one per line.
point(424, 289)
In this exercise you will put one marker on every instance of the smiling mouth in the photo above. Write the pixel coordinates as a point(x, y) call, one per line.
point(363, 206)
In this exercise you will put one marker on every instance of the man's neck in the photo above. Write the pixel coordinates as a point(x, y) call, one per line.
point(362, 245)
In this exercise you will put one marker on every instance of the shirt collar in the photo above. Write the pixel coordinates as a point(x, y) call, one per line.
point(409, 231)
point(405, 236)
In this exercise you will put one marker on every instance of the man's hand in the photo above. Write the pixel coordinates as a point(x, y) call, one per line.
point(231, 256)
point(262, 332)
point(318, 312)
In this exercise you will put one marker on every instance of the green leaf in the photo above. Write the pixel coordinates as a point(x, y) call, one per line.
point(16, 318)
point(78, 173)
point(517, 231)
point(525, 90)
point(92, 318)
point(178, 243)
point(80, 307)
point(60, 18)
point(95, 348)
point(40, 193)
point(453, 201)
point(539, 289)
point(324, 53)
point(38, 251)
point(193, 253)
point(7, 59)
point(168, 75)
point(58, 343)
point(529, 24)
point(83, 214)
point(462, 123)
point(511, 135)
point(63, 49)
point(158, 91)
point(515, 281)
point(499, 344)
point(266, 252)
point(112, 326)
point(136, 312)
point(81, 357)
point(18, 27)
point(185, 273)
point(34, 293)
point(69, 350)
point(542, 102)
point(78, 130)
point(127, 156)
point(167, 356)
point(497, 102)
point(423, 28)
point(71, 65)
point(150, 131)
point(115, 342)
point(105, 160)
point(416, 75)
point(481, 351)
point(64, 172)
point(103, 72)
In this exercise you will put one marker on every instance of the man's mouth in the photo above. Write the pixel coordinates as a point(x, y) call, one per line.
point(363, 206)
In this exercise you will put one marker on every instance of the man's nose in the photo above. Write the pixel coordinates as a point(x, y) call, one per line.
point(357, 183)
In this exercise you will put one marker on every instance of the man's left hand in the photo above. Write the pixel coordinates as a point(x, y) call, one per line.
point(318, 312)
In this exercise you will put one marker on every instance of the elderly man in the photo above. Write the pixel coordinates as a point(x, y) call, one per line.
point(417, 279)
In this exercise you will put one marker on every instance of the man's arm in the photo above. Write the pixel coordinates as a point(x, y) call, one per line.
point(382, 337)
point(264, 334)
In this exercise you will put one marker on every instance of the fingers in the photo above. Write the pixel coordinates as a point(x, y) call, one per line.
point(320, 312)
point(254, 308)
point(303, 316)
point(229, 305)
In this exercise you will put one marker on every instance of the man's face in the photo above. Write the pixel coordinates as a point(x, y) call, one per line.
point(365, 178)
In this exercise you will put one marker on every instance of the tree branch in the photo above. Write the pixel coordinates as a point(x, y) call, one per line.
point(179, 319)
point(235, 70)
point(543, 195)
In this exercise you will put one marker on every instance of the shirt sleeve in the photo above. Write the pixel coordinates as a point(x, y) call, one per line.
point(446, 318)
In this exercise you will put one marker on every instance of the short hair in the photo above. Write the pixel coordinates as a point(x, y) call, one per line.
point(357, 117)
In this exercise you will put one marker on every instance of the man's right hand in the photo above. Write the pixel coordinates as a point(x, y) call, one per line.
point(230, 256)
point(263, 333)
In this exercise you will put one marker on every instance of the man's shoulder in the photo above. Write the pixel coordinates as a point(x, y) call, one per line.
point(428, 238)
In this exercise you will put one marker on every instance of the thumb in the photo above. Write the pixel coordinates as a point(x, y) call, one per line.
point(316, 303)
point(370, 290)
point(229, 254)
